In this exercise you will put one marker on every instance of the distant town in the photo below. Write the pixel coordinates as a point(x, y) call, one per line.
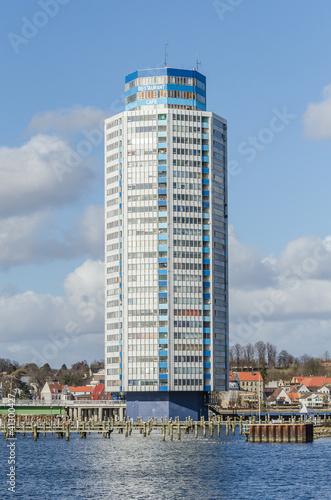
point(258, 376)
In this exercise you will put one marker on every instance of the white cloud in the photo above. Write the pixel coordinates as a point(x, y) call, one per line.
point(88, 234)
point(317, 118)
point(41, 173)
point(276, 298)
point(36, 238)
point(43, 327)
point(247, 270)
point(72, 120)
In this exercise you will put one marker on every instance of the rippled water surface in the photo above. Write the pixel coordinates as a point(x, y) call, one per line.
point(147, 468)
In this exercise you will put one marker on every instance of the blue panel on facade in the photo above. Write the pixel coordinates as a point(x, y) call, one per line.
point(163, 295)
point(162, 191)
point(206, 376)
point(206, 341)
point(121, 342)
point(120, 377)
point(205, 158)
point(207, 365)
point(206, 353)
point(205, 148)
point(163, 271)
point(206, 250)
point(163, 376)
point(204, 125)
point(162, 225)
point(163, 248)
point(205, 238)
point(163, 260)
point(162, 134)
point(163, 237)
point(163, 365)
point(163, 283)
point(206, 273)
point(163, 353)
point(162, 179)
point(162, 214)
point(207, 388)
point(163, 388)
point(206, 307)
point(205, 204)
point(163, 318)
point(204, 136)
point(205, 181)
point(205, 193)
point(163, 329)
point(206, 284)
point(161, 157)
point(162, 203)
point(121, 354)
point(206, 295)
point(206, 261)
point(163, 341)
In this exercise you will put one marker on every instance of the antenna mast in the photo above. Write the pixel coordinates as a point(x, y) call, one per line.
point(198, 63)
point(165, 54)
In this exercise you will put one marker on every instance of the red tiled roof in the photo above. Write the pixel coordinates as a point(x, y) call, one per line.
point(294, 396)
point(313, 381)
point(249, 376)
point(81, 388)
point(55, 385)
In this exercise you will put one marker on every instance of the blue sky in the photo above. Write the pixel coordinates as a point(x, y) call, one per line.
point(268, 71)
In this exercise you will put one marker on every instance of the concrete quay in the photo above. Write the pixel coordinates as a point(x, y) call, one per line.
point(78, 409)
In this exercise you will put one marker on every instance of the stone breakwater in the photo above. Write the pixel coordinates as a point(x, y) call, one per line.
point(320, 432)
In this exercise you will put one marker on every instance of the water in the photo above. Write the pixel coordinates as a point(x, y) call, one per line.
point(147, 468)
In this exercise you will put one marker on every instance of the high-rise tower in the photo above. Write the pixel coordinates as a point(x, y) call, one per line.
point(166, 246)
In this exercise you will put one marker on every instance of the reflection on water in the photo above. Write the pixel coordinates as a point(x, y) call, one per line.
point(147, 468)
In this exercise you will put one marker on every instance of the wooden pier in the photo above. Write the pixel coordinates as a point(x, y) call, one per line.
point(62, 426)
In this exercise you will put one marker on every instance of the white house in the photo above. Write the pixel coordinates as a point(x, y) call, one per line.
point(311, 400)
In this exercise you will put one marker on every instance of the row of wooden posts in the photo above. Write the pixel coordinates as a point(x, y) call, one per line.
point(64, 426)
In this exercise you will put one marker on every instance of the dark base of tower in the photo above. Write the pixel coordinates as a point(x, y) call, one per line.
point(167, 405)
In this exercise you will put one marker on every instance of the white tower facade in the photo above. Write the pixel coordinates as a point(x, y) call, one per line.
point(166, 331)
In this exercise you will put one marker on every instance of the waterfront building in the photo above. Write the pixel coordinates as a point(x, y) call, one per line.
point(166, 246)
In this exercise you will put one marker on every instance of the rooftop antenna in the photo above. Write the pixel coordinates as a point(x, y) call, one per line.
point(165, 54)
point(198, 63)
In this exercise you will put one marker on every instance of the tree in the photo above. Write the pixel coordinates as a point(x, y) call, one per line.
point(238, 351)
point(284, 359)
point(260, 349)
point(271, 354)
point(249, 355)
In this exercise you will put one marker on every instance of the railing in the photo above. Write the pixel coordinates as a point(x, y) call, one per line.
point(80, 402)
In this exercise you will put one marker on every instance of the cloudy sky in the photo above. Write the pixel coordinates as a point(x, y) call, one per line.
point(268, 73)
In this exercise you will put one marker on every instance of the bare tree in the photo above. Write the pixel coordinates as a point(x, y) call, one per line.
point(284, 359)
point(271, 354)
point(238, 354)
point(249, 355)
point(260, 349)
